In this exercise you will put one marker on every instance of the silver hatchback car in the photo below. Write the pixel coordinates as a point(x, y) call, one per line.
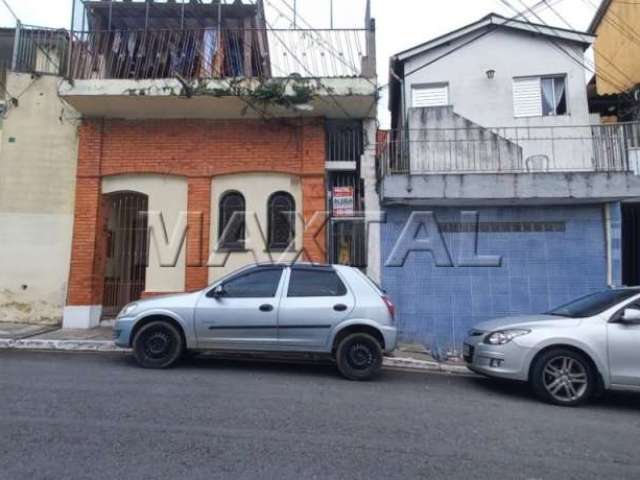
point(568, 354)
point(299, 308)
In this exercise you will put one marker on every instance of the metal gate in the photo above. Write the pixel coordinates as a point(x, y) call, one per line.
point(126, 250)
point(630, 243)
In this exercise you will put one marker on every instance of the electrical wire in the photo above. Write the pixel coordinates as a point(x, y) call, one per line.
point(625, 77)
point(560, 47)
point(631, 34)
point(336, 53)
point(331, 96)
point(6, 4)
point(591, 69)
point(488, 32)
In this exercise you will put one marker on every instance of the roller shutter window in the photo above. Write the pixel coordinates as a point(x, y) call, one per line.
point(539, 96)
point(436, 95)
point(527, 97)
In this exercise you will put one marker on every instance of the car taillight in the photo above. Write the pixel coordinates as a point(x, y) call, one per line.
point(390, 306)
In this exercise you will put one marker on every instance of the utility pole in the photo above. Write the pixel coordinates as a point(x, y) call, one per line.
point(331, 12)
point(295, 14)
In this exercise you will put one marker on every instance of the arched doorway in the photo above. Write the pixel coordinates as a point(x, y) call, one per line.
point(127, 249)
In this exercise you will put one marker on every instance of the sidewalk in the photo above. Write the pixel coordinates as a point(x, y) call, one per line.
point(47, 338)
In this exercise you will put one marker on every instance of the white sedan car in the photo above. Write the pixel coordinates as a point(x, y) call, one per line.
point(567, 354)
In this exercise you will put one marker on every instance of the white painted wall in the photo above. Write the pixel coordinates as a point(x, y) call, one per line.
point(169, 195)
point(256, 188)
point(37, 185)
point(511, 54)
point(489, 102)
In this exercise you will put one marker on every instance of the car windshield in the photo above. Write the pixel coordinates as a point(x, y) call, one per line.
point(593, 304)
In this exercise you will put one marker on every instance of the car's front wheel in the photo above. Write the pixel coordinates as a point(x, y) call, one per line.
point(359, 356)
point(157, 344)
point(563, 377)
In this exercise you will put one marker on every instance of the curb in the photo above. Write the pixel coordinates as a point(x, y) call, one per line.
point(103, 346)
point(108, 346)
point(407, 363)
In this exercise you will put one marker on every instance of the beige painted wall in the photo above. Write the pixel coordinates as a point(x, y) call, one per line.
point(38, 157)
point(620, 49)
point(167, 195)
point(256, 188)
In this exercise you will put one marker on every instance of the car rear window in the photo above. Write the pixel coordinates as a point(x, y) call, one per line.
point(315, 283)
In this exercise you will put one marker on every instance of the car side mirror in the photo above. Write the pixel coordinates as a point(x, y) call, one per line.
point(631, 316)
point(217, 292)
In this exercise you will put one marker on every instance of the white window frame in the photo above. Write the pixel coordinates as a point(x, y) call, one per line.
point(566, 95)
point(539, 99)
point(426, 86)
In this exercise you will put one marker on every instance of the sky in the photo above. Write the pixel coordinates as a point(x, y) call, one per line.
point(400, 24)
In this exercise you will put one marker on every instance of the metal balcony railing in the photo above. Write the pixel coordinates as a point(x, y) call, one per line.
point(39, 50)
point(589, 148)
point(344, 141)
point(210, 53)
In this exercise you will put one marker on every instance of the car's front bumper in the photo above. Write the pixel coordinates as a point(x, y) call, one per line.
point(503, 361)
point(122, 332)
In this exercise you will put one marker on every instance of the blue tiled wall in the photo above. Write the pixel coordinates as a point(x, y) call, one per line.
point(539, 270)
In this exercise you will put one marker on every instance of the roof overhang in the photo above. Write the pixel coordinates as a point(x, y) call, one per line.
point(498, 21)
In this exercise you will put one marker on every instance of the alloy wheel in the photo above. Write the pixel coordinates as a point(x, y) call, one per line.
point(565, 379)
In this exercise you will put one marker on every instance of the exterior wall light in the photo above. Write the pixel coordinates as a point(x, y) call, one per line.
point(491, 73)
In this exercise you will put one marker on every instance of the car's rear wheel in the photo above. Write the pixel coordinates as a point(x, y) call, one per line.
point(563, 377)
point(157, 344)
point(359, 356)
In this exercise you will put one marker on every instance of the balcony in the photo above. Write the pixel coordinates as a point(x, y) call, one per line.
point(209, 53)
point(515, 164)
point(231, 73)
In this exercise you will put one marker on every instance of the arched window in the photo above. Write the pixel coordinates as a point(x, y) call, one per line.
point(231, 227)
point(281, 211)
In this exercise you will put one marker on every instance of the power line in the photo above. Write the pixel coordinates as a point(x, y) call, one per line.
point(6, 4)
point(559, 47)
point(488, 32)
point(625, 77)
point(331, 48)
point(310, 73)
point(582, 63)
point(631, 33)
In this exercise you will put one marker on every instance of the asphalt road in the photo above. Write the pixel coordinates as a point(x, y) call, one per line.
point(99, 416)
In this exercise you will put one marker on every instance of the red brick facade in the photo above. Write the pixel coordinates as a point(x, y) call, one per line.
point(198, 150)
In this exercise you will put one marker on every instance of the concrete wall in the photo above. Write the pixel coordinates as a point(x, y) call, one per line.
point(509, 188)
point(167, 195)
point(37, 182)
point(256, 189)
point(562, 257)
point(371, 201)
point(511, 54)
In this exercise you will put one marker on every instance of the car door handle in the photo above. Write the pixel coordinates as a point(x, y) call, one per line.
point(266, 308)
point(340, 307)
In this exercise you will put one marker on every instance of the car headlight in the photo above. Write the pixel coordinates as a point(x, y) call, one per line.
point(504, 336)
point(128, 309)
